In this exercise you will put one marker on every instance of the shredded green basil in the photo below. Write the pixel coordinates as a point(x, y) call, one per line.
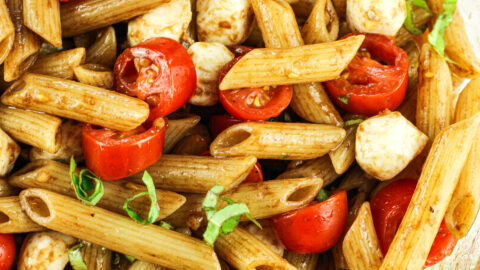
point(76, 259)
point(344, 99)
point(436, 36)
point(322, 195)
point(165, 225)
point(352, 122)
point(129, 258)
point(116, 258)
point(154, 211)
point(409, 23)
point(84, 184)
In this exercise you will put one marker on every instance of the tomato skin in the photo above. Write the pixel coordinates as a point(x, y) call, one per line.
point(7, 251)
point(113, 159)
point(371, 86)
point(167, 77)
point(219, 123)
point(389, 206)
point(314, 228)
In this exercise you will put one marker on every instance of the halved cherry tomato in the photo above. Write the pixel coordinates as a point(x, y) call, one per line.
point(219, 123)
point(256, 103)
point(389, 206)
point(314, 228)
point(7, 251)
point(115, 154)
point(367, 86)
point(159, 71)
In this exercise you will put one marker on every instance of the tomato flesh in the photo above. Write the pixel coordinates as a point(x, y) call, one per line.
point(7, 251)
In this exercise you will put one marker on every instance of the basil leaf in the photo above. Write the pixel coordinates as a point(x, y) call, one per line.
point(322, 195)
point(408, 23)
point(165, 225)
point(352, 122)
point(154, 211)
point(76, 259)
point(421, 4)
point(129, 258)
point(210, 202)
point(84, 183)
point(344, 99)
point(116, 258)
point(436, 36)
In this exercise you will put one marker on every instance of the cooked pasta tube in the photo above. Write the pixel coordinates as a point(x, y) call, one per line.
point(271, 198)
point(245, 252)
point(141, 265)
point(96, 257)
point(77, 101)
point(79, 17)
point(177, 129)
point(189, 214)
point(55, 176)
point(434, 89)
point(59, 64)
point(9, 151)
point(322, 25)
point(344, 155)
point(13, 219)
point(7, 32)
point(320, 167)
point(193, 144)
point(309, 63)
point(6, 189)
point(197, 174)
point(152, 243)
point(104, 50)
point(357, 179)
point(275, 140)
point(36, 129)
point(25, 47)
point(267, 235)
point(95, 75)
point(465, 203)
point(361, 247)
point(306, 261)
point(43, 18)
point(431, 197)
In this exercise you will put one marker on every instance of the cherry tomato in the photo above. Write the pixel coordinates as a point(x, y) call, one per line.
point(256, 103)
point(7, 251)
point(219, 123)
point(159, 71)
point(389, 206)
point(368, 86)
point(114, 154)
point(314, 228)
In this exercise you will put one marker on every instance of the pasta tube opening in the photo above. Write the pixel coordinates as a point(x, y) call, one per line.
point(233, 137)
point(36, 207)
point(4, 218)
point(303, 194)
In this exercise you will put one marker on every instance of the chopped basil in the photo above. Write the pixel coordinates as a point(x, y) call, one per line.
point(165, 225)
point(84, 184)
point(344, 99)
point(409, 23)
point(76, 259)
point(116, 258)
point(352, 122)
point(436, 36)
point(322, 195)
point(154, 211)
point(129, 258)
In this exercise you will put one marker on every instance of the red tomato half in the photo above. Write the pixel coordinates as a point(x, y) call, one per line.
point(114, 154)
point(314, 228)
point(7, 251)
point(389, 206)
point(219, 123)
point(159, 71)
point(367, 86)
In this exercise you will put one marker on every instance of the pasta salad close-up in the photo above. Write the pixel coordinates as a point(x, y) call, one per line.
point(239, 134)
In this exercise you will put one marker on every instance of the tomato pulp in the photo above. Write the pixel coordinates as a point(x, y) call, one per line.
point(7, 251)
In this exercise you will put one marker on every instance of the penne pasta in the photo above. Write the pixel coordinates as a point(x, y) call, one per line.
point(197, 174)
point(343, 155)
point(168, 248)
point(96, 257)
point(431, 197)
point(36, 129)
point(245, 252)
point(94, 75)
point(103, 51)
point(59, 64)
point(6, 189)
point(189, 214)
point(309, 63)
point(79, 17)
point(43, 18)
point(322, 25)
point(320, 167)
point(178, 126)
point(193, 144)
point(55, 176)
point(361, 247)
point(267, 235)
point(7, 32)
point(77, 101)
point(276, 140)
point(25, 47)
point(302, 261)
point(9, 151)
point(13, 219)
point(141, 265)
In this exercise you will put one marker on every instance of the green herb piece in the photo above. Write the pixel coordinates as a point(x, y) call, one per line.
point(116, 258)
point(436, 36)
point(84, 184)
point(322, 195)
point(154, 211)
point(76, 259)
point(352, 122)
point(344, 99)
point(165, 225)
point(129, 258)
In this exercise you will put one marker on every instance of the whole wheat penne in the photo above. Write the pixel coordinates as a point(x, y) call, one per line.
point(322, 25)
point(77, 101)
point(79, 17)
point(152, 243)
point(319, 167)
point(43, 18)
point(271, 198)
point(197, 174)
point(308, 63)
point(55, 176)
point(245, 252)
point(195, 143)
point(9, 151)
point(465, 203)
point(59, 64)
point(266, 234)
point(178, 126)
point(6, 189)
point(7, 32)
point(13, 219)
point(96, 257)
point(420, 19)
point(276, 140)
point(189, 214)
point(431, 197)
point(306, 261)
point(86, 39)
point(302, 8)
point(141, 265)
point(25, 47)
point(344, 155)
point(434, 89)
point(95, 75)
point(36, 129)
point(104, 50)
point(458, 84)
point(361, 247)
